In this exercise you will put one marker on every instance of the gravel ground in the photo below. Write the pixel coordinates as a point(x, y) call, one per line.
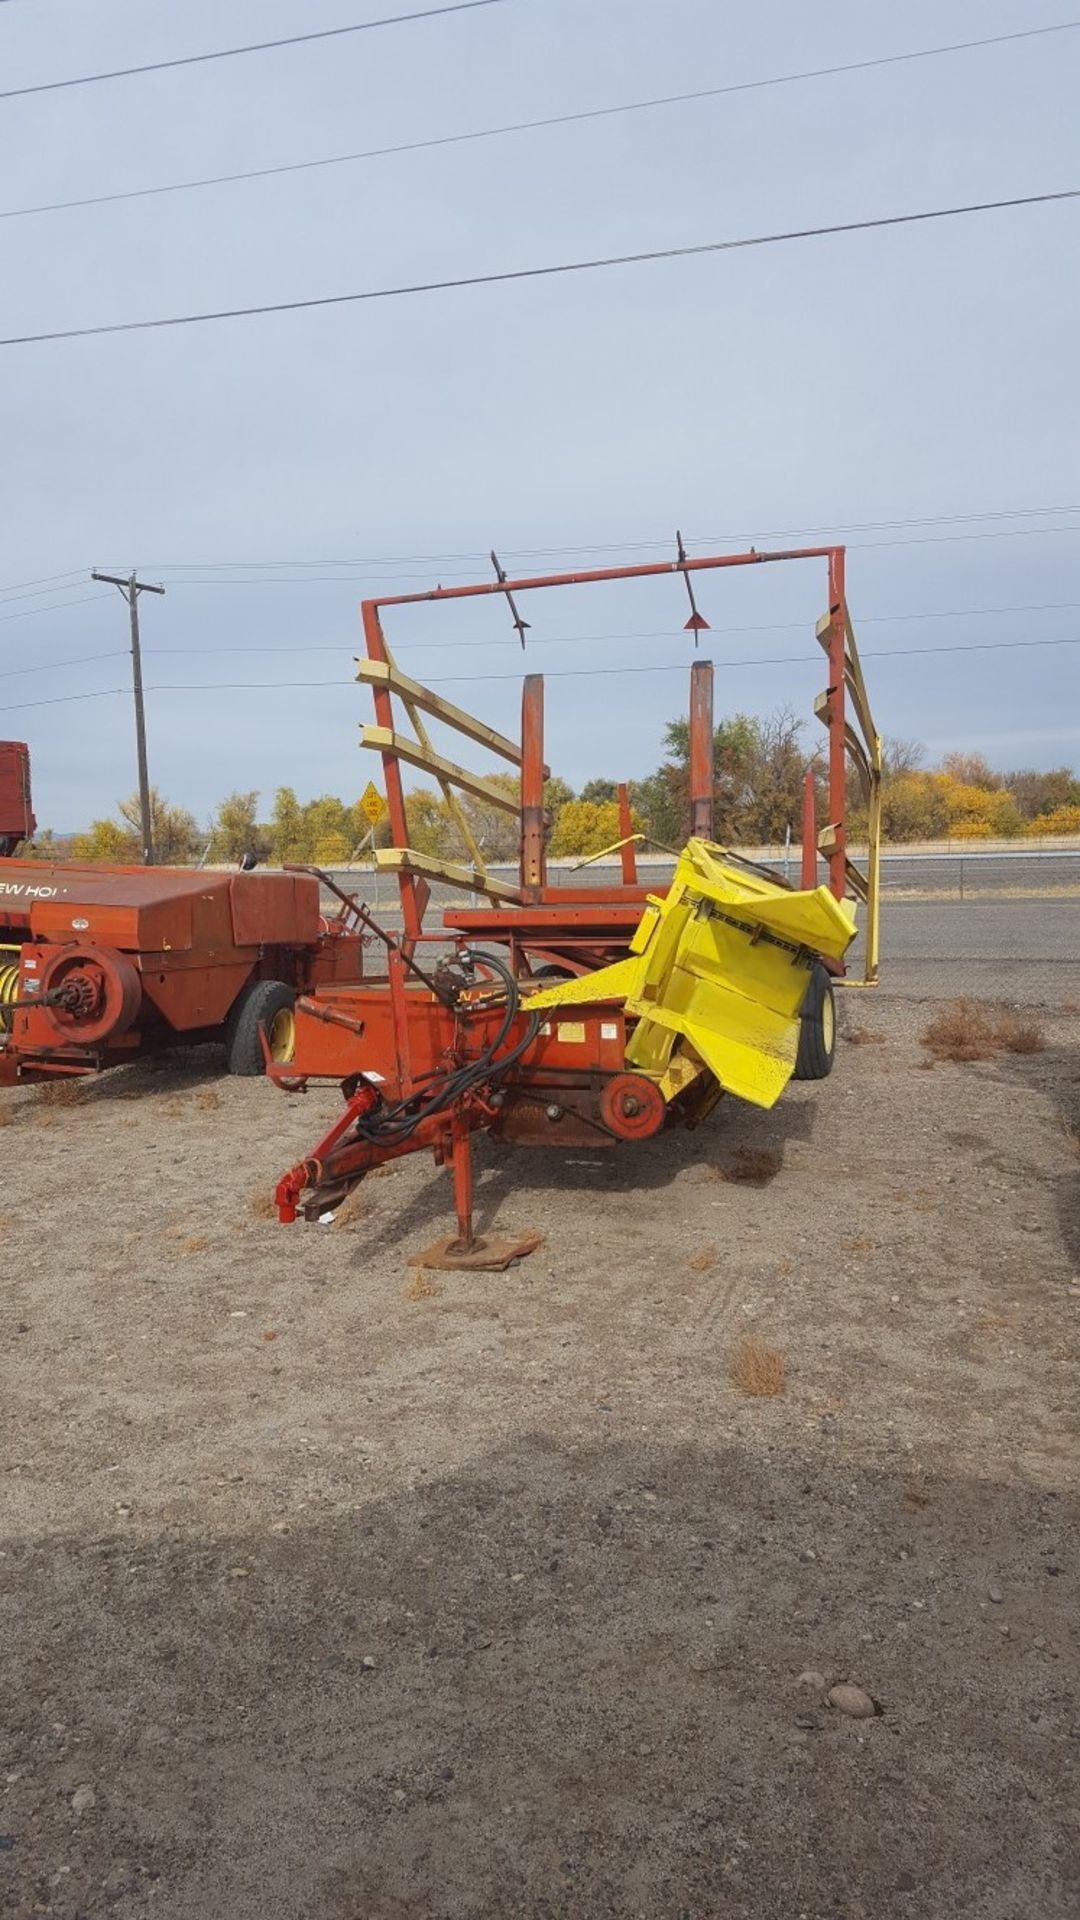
point(325, 1596)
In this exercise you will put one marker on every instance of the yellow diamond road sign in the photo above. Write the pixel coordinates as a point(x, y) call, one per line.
point(372, 803)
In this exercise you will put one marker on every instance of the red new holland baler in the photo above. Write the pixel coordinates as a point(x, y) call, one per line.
point(99, 964)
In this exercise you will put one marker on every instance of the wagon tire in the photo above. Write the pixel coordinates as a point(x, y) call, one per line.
point(263, 1006)
point(817, 1028)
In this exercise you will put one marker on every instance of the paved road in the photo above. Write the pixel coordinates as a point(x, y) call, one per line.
point(952, 876)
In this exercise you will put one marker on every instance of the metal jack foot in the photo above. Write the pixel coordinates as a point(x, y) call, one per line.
point(482, 1256)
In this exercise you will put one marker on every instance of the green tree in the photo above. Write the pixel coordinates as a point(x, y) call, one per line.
point(288, 840)
point(236, 830)
point(178, 838)
point(599, 791)
point(427, 820)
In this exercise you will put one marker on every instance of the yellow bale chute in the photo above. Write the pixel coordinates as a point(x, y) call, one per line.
point(717, 975)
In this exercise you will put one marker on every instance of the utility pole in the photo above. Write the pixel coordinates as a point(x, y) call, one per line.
point(131, 587)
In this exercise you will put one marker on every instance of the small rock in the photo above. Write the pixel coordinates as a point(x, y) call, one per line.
point(1039, 1641)
point(1004, 1630)
point(368, 1663)
point(239, 1573)
point(995, 1595)
point(812, 1679)
point(809, 1722)
point(851, 1700)
point(7, 1841)
point(83, 1799)
point(1053, 1566)
point(807, 1555)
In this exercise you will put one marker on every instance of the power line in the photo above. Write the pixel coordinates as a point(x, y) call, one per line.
point(44, 579)
point(550, 640)
point(61, 606)
point(13, 588)
point(387, 579)
point(547, 272)
point(58, 666)
point(567, 673)
point(529, 126)
point(38, 593)
point(63, 700)
point(257, 46)
point(591, 639)
point(622, 546)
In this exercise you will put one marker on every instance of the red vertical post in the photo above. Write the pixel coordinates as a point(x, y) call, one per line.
point(808, 876)
point(702, 747)
point(837, 853)
point(533, 854)
point(461, 1150)
point(412, 906)
point(626, 828)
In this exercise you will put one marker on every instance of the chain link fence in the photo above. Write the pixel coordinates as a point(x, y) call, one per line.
point(995, 926)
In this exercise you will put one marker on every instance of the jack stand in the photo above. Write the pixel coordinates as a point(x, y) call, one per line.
point(466, 1251)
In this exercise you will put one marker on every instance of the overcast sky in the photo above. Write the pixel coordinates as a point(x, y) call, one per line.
point(913, 373)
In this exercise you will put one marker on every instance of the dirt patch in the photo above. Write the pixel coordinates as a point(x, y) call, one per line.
point(750, 1166)
point(501, 1598)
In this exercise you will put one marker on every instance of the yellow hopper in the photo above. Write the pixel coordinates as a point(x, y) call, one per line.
point(718, 976)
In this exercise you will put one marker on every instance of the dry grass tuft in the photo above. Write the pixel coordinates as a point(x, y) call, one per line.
point(758, 1369)
point(750, 1167)
point(1020, 1036)
point(355, 1206)
point(703, 1261)
point(422, 1285)
point(263, 1205)
point(864, 1037)
point(61, 1093)
point(964, 1030)
point(194, 1244)
point(208, 1098)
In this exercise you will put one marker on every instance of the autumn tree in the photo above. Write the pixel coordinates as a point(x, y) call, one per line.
point(287, 836)
point(108, 841)
point(585, 827)
point(236, 831)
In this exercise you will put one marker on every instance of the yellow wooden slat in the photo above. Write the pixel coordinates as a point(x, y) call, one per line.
point(375, 673)
point(384, 740)
point(406, 860)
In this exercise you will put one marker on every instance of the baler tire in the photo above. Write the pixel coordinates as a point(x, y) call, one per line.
point(817, 1028)
point(255, 1009)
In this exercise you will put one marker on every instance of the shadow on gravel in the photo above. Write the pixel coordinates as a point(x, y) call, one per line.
point(507, 1174)
point(561, 1684)
point(1055, 1075)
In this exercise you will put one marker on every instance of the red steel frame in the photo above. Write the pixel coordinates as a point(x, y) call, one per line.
point(844, 676)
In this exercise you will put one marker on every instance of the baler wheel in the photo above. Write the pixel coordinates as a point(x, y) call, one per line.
point(265, 1006)
point(817, 1028)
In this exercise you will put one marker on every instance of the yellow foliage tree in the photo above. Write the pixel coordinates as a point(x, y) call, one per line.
point(585, 827)
point(108, 841)
point(1060, 820)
